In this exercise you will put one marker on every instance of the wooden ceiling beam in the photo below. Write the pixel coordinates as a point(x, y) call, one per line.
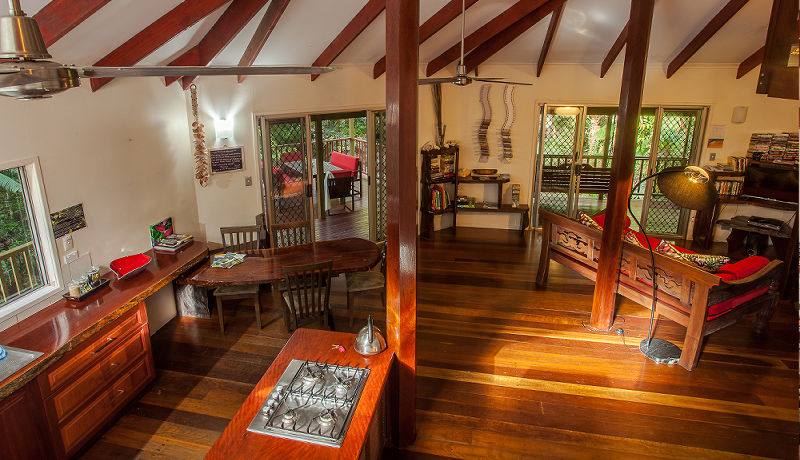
point(555, 19)
point(615, 50)
point(265, 27)
point(434, 24)
point(776, 78)
point(155, 35)
point(232, 21)
point(750, 63)
point(716, 23)
point(502, 21)
point(350, 32)
point(58, 17)
point(498, 41)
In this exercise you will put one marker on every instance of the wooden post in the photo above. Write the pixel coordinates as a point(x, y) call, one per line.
point(402, 56)
point(352, 145)
point(630, 103)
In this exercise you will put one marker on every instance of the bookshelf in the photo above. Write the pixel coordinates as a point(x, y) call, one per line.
point(437, 197)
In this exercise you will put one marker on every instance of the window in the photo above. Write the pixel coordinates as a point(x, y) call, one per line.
point(28, 269)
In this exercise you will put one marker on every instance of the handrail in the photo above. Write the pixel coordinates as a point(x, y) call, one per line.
point(16, 274)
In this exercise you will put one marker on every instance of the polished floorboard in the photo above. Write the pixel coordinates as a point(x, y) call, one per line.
point(504, 370)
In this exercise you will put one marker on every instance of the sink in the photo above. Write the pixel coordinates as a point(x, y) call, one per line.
point(16, 359)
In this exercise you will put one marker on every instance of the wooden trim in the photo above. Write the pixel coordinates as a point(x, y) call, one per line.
point(402, 57)
point(555, 19)
point(630, 103)
point(504, 20)
point(59, 17)
point(262, 33)
point(351, 31)
point(716, 23)
point(622, 38)
point(750, 63)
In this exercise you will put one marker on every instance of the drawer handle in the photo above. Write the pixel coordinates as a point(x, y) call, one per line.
point(109, 340)
point(114, 398)
point(105, 374)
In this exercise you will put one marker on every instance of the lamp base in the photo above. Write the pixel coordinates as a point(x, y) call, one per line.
point(660, 351)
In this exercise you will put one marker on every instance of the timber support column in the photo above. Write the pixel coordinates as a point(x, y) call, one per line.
point(402, 56)
point(630, 104)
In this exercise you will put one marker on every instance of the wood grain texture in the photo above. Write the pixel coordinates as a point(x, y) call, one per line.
point(58, 17)
point(266, 265)
point(265, 27)
point(630, 103)
point(505, 369)
point(708, 31)
point(62, 326)
point(351, 31)
point(552, 28)
point(434, 24)
point(402, 58)
point(615, 50)
point(155, 35)
point(750, 63)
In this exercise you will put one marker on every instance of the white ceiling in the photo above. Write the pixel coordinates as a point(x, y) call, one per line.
point(587, 30)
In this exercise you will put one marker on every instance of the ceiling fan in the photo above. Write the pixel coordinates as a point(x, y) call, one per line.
point(461, 78)
point(25, 72)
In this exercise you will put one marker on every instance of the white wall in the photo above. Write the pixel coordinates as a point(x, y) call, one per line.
point(123, 152)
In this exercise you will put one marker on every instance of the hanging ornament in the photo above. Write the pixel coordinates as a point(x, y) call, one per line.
point(200, 150)
point(505, 131)
point(483, 129)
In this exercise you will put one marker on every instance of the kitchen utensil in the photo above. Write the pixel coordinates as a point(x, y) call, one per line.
point(369, 340)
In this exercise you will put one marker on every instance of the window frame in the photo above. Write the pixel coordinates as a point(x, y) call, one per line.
point(53, 284)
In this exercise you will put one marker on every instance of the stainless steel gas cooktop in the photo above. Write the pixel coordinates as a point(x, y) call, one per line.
point(311, 402)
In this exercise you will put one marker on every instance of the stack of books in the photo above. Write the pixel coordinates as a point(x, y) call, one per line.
point(172, 243)
point(729, 188)
point(778, 148)
point(443, 167)
point(440, 199)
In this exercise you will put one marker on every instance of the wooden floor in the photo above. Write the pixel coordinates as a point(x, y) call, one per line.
point(345, 224)
point(504, 371)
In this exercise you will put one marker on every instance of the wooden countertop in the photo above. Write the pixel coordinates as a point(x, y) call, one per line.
point(308, 344)
point(60, 327)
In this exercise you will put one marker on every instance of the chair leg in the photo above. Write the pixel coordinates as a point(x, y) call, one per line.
point(258, 309)
point(219, 311)
point(349, 307)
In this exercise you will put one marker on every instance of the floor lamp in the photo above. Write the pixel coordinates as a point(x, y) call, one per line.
point(688, 187)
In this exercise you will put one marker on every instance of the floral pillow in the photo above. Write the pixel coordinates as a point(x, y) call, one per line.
point(587, 220)
point(630, 237)
point(710, 263)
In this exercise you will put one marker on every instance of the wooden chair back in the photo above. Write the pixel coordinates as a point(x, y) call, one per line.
point(307, 292)
point(291, 234)
point(241, 238)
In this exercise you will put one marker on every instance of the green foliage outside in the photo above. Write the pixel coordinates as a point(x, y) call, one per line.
point(14, 226)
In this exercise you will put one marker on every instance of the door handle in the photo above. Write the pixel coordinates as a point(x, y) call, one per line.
point(108, 342)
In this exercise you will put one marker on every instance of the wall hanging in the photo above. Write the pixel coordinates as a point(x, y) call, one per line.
point(487, 118)
point(436, 91)
point(505, 131)
point(200, 151)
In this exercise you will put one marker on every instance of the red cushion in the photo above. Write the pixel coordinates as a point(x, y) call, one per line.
point(343, 161)
point(601, 220)
point(742, 268)
point(719, 309)
point(653, 241)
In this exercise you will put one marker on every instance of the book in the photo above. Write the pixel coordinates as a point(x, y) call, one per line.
point(227, 260)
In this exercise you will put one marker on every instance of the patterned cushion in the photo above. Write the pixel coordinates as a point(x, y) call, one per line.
point(630, 237)
point(587, 220)
point(710, 263)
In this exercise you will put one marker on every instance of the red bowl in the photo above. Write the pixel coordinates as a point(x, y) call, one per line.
point(128, 266)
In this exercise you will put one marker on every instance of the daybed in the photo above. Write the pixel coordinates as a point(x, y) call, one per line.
point(701, 301)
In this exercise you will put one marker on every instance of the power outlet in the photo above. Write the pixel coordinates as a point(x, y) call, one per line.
point(712, 156)
point(67, 242)
point(70, 257)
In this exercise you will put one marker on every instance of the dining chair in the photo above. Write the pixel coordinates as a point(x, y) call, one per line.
point(291, 234)
point(242, 238)
point(365, 282)
point(306, 294)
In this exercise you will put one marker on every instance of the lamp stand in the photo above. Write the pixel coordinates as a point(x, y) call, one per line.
point(660, 351)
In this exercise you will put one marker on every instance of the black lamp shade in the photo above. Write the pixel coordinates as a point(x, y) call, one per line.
point(680, 189)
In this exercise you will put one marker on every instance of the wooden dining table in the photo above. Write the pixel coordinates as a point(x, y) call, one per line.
point(265, 266)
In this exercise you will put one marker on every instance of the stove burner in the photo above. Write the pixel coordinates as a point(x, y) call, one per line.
point(290, 416)
point(327, 418)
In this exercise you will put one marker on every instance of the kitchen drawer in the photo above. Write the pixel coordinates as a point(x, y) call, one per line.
point(97, 377)
point(104, 406)
point(94, 349)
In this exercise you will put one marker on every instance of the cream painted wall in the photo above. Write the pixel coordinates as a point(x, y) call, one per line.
point(123, 152)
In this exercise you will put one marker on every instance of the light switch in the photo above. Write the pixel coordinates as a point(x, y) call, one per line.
point(712, 156)
point(248, 181)
point(67, 242)
point(70, 257)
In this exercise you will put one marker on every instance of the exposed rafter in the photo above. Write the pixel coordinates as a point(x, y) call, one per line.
point(750, 63)
point(58, 17)
point(498, 41)
point(352, 30)
point(502, 21)
point(716, 23)
point(434, 24)
point(265, 27)
point(555, 19)
point(615, 50)
point(235, 17)
point(156, 34)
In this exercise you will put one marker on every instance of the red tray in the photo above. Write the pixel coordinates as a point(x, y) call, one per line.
point(128, 266)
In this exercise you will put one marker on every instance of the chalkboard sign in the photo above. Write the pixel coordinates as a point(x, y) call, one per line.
point(226, 159)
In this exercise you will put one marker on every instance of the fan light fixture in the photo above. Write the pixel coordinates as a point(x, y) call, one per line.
point(567, 111)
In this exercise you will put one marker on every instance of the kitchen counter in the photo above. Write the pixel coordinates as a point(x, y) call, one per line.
point(364, 434)
point(60, 327)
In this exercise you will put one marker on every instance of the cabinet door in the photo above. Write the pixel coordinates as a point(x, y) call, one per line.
point(21, 431)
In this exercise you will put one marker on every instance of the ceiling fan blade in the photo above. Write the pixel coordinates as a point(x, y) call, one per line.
point(182, 71)
point(499, 80)
point(431, 81)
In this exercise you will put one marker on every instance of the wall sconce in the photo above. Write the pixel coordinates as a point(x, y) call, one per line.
point(223, 128)
point(739, 114)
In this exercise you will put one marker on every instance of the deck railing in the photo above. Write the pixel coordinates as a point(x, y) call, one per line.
point(18, 272)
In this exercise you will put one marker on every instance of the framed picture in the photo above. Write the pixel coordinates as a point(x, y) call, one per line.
point(226, 159)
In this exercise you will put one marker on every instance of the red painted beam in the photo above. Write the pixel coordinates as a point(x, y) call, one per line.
point(614, 51)
point(716, 23)
point(155, 35)
point(498, 41)
point(352, 30)
point(505, 19)
point(750, 63)
point(555, 19)
point(434, 24)
point(265, 27)
point(58, 17)
point(235, 17)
